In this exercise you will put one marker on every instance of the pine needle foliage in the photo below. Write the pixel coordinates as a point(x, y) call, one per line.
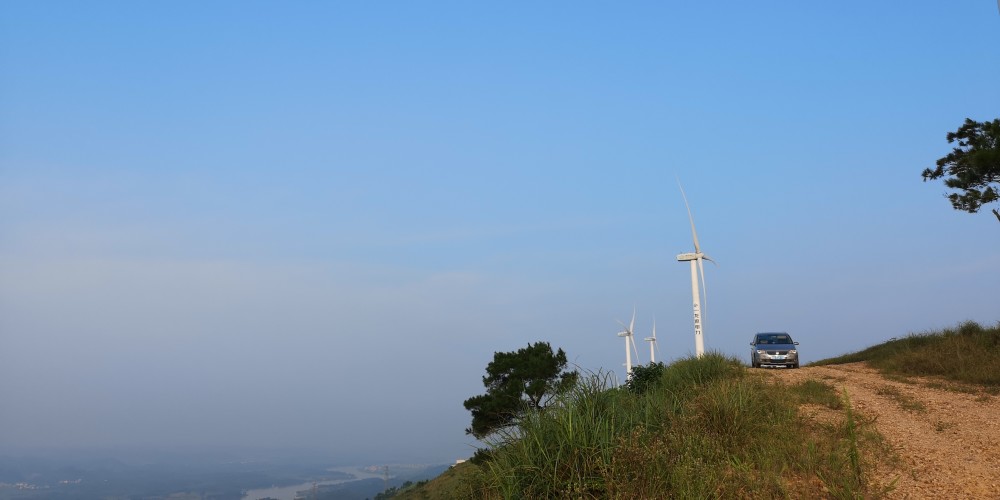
point(518, 383)
point(972, 167)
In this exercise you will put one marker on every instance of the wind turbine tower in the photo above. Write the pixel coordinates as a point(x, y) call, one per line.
point(629, 345)
point(652, 344)
point(697, 266)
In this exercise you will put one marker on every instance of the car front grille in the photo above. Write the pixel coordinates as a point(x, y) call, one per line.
point(777, 352)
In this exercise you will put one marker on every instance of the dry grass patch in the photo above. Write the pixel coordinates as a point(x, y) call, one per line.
point(905, 401)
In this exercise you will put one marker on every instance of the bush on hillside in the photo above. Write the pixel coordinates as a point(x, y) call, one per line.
point(645, 377)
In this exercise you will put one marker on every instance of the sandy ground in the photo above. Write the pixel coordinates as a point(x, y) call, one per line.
point(948, 441)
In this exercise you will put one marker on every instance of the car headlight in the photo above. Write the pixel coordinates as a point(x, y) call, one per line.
point(760, 351)
point(793, 351)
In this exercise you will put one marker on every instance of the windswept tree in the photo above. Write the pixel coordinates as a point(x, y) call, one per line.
point(524, 380)
point(973, 167)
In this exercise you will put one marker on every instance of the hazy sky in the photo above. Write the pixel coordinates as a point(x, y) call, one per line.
point(311, 224)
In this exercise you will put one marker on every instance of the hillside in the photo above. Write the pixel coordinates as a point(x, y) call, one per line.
point(869, 424)
point(705, 427)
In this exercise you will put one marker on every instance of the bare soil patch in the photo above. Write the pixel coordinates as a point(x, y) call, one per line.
point(948, 442)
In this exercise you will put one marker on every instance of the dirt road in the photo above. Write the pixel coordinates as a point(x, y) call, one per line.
point(948, 441)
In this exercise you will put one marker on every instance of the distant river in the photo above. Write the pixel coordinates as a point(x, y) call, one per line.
point(288, 492)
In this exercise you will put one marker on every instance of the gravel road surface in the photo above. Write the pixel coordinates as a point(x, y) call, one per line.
point(948, 441)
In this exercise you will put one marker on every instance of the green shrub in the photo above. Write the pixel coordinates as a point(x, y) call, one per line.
point(645, 377)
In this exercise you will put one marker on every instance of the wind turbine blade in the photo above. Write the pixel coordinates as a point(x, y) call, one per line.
point(694, 233)
point(634, 350)
point(631, 325)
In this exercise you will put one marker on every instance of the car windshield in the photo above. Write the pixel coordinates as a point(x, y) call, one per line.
point(774, 339)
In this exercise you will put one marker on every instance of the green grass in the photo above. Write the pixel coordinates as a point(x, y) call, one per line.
point(817, 392)
point(968, 353)
point(707, 428)
point(456, 482)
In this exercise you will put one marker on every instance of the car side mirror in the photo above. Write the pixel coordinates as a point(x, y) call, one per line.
point(751, 343)
point(796, 343)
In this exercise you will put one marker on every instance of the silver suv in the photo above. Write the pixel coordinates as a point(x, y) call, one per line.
point(774, 349)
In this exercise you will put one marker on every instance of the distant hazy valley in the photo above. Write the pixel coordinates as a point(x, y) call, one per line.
point(216, 476)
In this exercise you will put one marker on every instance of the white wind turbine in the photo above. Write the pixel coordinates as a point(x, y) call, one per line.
point(629, 344)
point(652, 344)
point(697, 266)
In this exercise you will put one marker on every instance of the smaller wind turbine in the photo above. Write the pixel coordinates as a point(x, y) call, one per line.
point(652, 344)
point(629, 344)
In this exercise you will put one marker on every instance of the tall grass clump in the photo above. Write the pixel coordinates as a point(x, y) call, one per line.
point(968, 353)
point(703, 428)
point(562, 445)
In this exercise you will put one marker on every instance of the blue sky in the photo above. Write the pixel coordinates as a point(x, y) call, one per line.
point(311, 224)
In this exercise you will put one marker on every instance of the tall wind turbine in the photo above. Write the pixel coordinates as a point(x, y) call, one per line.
point(652, 344)
point(629, 344)
point(697, 266)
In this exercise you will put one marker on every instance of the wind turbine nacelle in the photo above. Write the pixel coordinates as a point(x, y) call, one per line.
point(688, 256)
